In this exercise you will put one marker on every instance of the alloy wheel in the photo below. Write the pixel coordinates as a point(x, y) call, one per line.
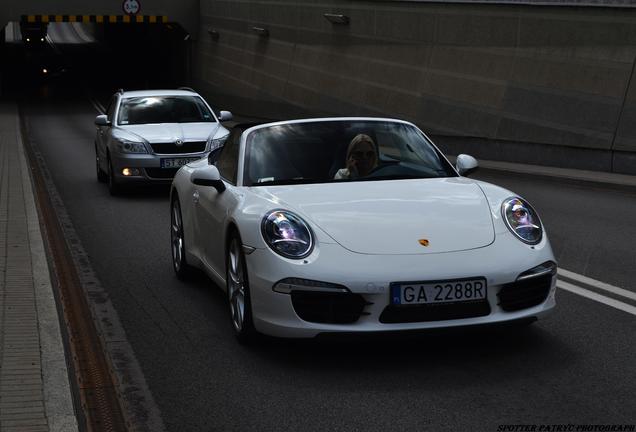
point(236, 285)
point(176, 237)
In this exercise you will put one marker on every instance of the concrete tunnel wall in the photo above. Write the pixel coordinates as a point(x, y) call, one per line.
point(549, 85)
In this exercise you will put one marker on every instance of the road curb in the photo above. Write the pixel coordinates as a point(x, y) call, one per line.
point(58, 403)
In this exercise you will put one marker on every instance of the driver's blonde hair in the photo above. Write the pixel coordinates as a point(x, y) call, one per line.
point(359, 139)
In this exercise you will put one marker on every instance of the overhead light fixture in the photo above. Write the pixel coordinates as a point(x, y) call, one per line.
point(261, 31)
point(336, 18)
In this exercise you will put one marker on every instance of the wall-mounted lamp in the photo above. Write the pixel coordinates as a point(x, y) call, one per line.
point(337, 18)
point(213, 33)
point(261, 31)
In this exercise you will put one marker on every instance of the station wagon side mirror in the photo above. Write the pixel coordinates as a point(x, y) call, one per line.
point(102, 120)
point(208, 176)
point(225, 116)
point(466, 164)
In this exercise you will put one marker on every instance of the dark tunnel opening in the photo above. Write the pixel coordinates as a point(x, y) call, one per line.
point(68, 60)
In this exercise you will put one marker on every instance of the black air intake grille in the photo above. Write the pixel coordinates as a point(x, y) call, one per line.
point(172, 148)
point(434, 312)
point(525, 293)
point(328, 308)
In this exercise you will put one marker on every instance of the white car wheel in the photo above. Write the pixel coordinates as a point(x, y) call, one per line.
point(238, 291)
point(181, 268)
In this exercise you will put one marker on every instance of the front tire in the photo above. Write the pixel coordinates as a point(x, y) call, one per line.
point(238, 291)
point(102, 177)
point(113, 187)
point(177, 240)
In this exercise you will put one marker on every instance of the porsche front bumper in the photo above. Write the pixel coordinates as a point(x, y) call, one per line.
point(367, 279)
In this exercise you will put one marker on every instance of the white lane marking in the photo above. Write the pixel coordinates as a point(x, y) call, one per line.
point(597, 297)
point(598, 284)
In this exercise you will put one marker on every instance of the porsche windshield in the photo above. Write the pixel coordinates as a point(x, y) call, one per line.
point(163, 109)
point(336, 151)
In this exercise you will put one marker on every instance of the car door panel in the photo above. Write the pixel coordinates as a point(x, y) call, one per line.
point(212, 212)
point(104, 133)
point(213, 207)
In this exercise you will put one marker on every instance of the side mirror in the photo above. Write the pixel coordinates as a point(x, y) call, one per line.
point(208, 176)
point(102, 120)
point(466, 164)
point(225, 116)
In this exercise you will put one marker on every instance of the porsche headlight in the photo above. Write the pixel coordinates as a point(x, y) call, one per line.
point(125, 146)
point(287, 234)
point(522, 220)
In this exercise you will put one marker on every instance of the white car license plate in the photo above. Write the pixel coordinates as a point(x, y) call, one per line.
point(447, 291)
point(176, 162)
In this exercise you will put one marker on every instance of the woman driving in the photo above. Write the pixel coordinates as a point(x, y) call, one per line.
point(362, 158)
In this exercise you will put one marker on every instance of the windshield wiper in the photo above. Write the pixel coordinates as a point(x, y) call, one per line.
point(394, 177)
point(291, 181)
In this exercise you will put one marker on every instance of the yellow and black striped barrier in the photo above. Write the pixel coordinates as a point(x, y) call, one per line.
point(99, 19)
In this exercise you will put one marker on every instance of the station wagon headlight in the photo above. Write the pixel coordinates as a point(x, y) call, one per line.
point(287, 234)
point(217, 143)
point(522, 220)
point(125, 146)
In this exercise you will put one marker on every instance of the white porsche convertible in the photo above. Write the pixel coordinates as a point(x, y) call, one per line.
point(356, 225)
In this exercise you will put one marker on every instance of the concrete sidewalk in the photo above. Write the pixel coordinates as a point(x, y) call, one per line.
point(34, 382)
point(621, 181)
point(617, 181)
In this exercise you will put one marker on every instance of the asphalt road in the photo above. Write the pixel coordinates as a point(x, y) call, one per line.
point(575, 366)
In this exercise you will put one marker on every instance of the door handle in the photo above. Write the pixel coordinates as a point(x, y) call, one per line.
point(195, 196)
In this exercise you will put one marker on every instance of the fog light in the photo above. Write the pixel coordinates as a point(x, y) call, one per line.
point(44, 71)
point(28, 39)
point(130, 172)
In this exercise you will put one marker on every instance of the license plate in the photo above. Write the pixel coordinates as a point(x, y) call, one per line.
point(446, 291)
point(176, 162)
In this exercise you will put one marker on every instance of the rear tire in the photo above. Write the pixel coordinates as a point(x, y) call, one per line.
point(238, 292)
point(177, 242)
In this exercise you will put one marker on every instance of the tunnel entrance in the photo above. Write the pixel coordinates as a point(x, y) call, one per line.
point(92, 57)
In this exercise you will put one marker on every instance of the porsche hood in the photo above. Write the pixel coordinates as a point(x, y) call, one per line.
point(394, 217)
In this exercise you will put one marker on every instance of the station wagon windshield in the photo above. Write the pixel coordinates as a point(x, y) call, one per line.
point(163, 109)
point(340, 151)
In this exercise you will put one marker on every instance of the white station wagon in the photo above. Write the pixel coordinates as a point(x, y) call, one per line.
point(146, 136)
point(356, 225)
